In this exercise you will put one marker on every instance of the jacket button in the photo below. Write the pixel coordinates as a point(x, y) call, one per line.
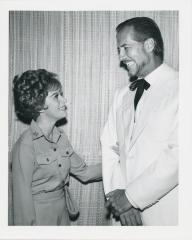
point(54, 149)
point(67, 152)
point(47, 159)
point(35, 134)
point(59, 165)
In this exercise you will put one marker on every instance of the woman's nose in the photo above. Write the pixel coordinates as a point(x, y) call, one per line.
point(63, 99)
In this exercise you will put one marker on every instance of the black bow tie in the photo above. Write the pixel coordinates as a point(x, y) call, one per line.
point(140, 85)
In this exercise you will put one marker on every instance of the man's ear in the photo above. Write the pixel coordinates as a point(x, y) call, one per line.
point(149, 44)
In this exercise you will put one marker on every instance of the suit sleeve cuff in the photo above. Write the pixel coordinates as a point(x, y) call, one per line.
point(133, 203)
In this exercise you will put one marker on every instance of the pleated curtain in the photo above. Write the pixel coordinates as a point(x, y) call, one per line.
point(80, 46)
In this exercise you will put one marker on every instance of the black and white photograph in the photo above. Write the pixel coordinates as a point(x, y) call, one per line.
point(97, 122)
point(68, 65)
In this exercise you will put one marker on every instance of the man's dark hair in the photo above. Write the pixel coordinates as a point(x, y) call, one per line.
point(30, 90)
point(145, 28)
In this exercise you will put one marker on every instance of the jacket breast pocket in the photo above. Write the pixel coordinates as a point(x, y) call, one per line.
point(66, 152)
point(46, 159)
point(64, 159)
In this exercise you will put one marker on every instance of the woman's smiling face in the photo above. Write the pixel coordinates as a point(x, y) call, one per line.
point(55, 105)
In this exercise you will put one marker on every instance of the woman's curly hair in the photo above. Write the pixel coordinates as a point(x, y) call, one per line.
point(30, 90)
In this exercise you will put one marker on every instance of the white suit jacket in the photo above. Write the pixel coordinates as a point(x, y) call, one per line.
point(142, 157)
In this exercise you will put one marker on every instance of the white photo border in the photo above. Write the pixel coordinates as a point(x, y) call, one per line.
point(184, 230)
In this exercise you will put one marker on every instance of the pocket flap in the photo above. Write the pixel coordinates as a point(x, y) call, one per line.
point(67, 152)
point(45, 159)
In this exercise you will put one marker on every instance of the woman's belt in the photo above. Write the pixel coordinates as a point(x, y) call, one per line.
point(71, 205)
point(52, 195)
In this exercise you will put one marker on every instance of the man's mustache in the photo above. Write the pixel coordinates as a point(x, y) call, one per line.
point(123, 65)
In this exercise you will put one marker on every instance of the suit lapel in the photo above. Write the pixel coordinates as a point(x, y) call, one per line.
point(149, 105)
point(124, 116)
point(128, 114)
point(126, 125)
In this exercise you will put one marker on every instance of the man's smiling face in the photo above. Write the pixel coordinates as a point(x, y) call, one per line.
point(132, 53)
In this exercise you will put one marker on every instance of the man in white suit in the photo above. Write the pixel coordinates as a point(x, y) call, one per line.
point(139, 140)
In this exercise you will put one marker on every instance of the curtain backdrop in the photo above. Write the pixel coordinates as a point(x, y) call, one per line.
point(80, 46)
